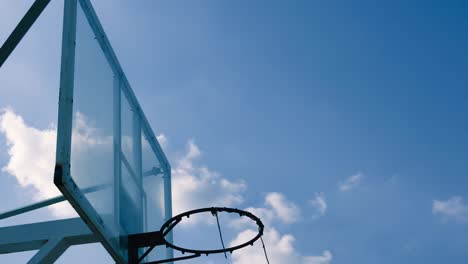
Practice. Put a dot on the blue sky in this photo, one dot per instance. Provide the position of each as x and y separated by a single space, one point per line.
351 118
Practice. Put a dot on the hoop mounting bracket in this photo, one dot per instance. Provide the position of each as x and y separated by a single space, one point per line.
152 239
137 241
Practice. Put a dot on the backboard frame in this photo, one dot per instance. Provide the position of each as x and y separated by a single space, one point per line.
62 176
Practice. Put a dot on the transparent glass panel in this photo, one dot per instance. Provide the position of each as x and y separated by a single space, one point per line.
118 181
131 203
132 195
128 127
92 153
153 182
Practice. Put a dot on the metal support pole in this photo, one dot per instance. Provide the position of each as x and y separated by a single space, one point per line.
117 148
32 207
137 149
50 251
21 29
138 166
34 236
168 206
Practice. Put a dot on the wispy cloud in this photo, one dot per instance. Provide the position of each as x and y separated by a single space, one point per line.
319 203
326 258
280 249
351 182
451 209
31 158
285 210
277 209
196 186
162 139
31 163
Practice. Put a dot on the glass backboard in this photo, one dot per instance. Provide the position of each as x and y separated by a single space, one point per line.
109 164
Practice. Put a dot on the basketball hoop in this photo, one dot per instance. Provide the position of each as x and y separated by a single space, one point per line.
157 238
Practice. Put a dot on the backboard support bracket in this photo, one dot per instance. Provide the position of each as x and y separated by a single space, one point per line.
21 29
51 238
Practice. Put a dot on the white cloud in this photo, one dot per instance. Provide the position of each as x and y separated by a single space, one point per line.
285 210
32 158
351 182
454 208
324 259
277 209
280 249
320 204
197 186
162 139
